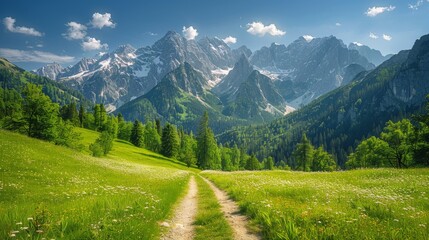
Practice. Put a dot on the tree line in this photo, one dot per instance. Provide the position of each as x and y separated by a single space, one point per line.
401 144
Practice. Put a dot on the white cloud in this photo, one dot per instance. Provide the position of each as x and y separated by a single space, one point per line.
75 31
387 37
190 33
416 5
39 45
9 23
338 24
358 44
259 29
102 20
90 44
308 38
374 11
229 40
15 55
373 35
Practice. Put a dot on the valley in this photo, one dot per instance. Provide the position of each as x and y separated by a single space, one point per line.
132 193
214 120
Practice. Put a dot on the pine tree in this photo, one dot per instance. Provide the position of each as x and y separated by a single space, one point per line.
187 150
158 126
136 137
96 116
208 156
103 118
169 141
124 130
152 140
252 163
303 154
81 114
269 163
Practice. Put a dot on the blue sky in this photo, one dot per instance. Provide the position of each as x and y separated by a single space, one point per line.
35 32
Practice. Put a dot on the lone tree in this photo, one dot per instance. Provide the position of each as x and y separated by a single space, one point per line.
303 154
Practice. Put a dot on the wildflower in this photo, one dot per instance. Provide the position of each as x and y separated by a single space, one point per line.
114 220
19 223
30 219
39 231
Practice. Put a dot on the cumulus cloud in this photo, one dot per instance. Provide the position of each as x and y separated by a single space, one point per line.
229 40
16 55
358 44
374 11
190 33
90 44
75 31
373 35
102 20
416 5
387 37
308 38
9 23
259 29
338 24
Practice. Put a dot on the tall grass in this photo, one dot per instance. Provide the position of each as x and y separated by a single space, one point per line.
361 204
48 191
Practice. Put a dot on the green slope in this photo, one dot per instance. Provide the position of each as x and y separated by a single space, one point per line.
47 191
13 77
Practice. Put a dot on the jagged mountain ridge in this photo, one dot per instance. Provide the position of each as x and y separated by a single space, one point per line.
181 97
126 73
256 99
340 119
373 56
307 69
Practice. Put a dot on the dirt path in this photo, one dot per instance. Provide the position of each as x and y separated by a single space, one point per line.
237 221
181 225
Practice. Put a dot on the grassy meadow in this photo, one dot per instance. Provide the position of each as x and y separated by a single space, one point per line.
51 192
360 204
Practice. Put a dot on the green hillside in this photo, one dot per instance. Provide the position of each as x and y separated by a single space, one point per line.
48 191
13 77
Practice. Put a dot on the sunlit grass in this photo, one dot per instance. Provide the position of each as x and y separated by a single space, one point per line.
47 191
361 204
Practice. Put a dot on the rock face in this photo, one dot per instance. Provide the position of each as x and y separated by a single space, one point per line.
127 73
230 84
51 71
257 99
306 69
374 56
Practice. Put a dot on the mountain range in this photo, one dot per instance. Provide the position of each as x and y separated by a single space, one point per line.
340 119
243 86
